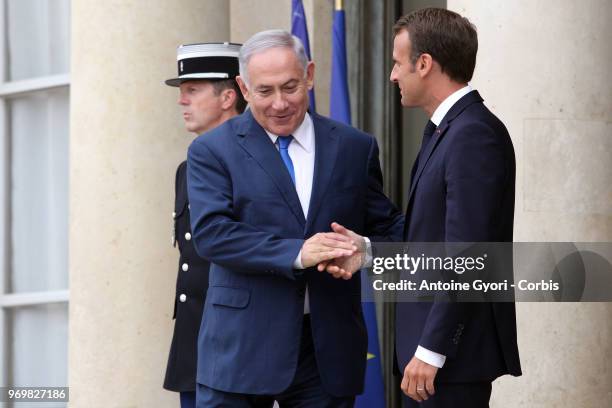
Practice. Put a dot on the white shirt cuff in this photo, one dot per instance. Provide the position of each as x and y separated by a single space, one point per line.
367 263
297 264
430 357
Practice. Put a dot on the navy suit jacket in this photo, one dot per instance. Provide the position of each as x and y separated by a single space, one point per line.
247 220
462 191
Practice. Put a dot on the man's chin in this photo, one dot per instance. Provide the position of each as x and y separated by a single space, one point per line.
283 130
406 103
191 129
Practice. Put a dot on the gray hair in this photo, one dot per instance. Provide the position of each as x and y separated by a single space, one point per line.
265 40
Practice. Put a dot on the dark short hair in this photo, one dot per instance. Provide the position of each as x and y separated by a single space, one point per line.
449 38
222 84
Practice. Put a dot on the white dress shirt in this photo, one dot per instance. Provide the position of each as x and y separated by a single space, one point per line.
423 354
302 153
448 103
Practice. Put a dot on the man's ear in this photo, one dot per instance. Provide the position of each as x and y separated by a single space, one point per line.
310 68
424 64
243 88
228 98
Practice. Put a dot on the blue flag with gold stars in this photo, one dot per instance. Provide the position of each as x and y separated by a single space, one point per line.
340 110
300 30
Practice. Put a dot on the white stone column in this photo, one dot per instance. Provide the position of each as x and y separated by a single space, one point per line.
127 138
544 68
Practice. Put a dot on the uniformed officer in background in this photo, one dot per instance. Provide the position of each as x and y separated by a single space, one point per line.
208 97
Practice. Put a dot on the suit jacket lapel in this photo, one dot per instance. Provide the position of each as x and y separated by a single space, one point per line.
433 143
326 150
454 111
258 145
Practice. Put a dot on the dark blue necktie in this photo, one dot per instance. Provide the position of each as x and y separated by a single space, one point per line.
283 147
430 128
427 134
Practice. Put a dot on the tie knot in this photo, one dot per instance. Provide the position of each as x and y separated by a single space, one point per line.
284 141
428 133
429 129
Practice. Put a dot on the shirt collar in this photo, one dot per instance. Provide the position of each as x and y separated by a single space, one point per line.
448 103
303 135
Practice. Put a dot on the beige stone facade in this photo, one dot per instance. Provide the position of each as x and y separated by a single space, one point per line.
126 140
543 68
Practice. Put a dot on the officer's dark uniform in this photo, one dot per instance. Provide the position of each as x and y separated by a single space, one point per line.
209 61
191 286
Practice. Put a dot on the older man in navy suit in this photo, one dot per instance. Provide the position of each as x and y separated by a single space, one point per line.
462 190
264 189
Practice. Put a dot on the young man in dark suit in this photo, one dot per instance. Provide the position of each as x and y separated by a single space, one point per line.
462 190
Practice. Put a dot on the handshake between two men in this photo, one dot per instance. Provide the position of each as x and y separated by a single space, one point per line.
340 253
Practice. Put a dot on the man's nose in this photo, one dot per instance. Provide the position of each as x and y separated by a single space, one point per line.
182 100
392 76
279 102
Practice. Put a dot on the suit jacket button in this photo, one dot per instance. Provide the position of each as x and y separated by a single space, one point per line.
188 236
183 298
185 267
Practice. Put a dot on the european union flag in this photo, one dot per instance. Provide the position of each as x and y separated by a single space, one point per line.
300 30
339 102
374 392
340 110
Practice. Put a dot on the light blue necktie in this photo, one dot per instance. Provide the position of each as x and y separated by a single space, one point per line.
283 147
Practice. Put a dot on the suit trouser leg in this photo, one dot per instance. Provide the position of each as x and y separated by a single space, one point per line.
188 399
455 395
306 390
207 397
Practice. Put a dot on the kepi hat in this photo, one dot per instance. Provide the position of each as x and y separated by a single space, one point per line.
206 61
